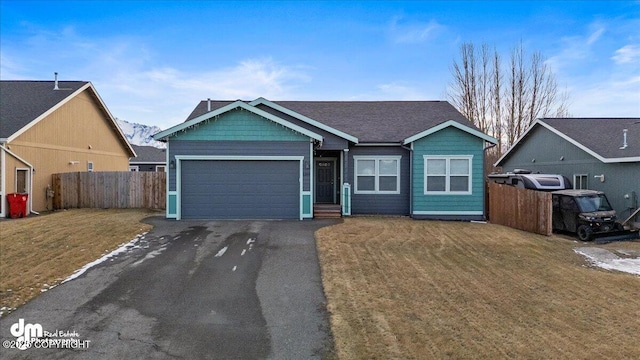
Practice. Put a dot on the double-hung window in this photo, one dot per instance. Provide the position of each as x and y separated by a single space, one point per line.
580 181
447 174
377 174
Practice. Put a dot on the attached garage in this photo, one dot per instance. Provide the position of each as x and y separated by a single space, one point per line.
240 188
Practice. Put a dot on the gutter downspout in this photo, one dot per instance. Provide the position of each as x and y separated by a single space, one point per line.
5 150
410 149
484 181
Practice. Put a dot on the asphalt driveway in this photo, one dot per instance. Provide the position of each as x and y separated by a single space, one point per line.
193 290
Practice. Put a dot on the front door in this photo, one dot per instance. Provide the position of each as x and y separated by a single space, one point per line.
325 181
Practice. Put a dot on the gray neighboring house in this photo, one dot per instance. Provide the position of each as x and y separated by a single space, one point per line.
294 159
594 153
149 159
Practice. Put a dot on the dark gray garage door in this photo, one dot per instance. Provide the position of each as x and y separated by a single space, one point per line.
221 189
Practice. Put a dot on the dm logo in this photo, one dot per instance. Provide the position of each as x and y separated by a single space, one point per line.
25 334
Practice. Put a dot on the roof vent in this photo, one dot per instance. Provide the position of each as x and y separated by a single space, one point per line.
55 83
208 104
624 140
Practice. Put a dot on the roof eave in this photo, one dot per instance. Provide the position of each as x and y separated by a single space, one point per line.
52 109
306 119
164 135
570 140
121 134
446 124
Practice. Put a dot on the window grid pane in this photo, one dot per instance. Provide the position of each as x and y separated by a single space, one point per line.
366 183
436 166
459 183
365 167
388 183
436 183
388 167
459 167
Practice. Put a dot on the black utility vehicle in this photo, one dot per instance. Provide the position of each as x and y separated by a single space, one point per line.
584 212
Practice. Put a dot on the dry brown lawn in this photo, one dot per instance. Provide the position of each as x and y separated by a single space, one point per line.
404 289
38 252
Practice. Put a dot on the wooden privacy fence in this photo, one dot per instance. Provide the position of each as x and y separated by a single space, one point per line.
125 189
527 210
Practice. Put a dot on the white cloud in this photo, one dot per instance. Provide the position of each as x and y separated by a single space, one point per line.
606 98
576 48
413 32
596 33
134 86
627 54
400 91
144 94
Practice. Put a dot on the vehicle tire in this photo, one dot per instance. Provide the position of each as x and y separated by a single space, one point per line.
618 227
585 233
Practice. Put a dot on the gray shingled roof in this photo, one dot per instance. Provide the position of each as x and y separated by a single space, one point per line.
369 121
23 101
148 154
604 136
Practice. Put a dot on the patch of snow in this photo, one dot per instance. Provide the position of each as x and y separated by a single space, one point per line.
251 241
123 248
6 310
243 252
150 255
234 268
222 251
140 134
608 260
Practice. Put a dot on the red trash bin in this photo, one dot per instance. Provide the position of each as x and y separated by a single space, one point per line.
17 205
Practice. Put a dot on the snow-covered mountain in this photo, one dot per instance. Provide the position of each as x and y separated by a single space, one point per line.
140 134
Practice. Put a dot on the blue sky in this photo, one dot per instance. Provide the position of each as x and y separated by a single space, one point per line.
152 61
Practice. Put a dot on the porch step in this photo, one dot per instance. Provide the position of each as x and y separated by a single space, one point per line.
327 211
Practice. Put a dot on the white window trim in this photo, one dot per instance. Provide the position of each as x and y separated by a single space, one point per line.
163 167
377 175
134 168
586 176
89 166
447 174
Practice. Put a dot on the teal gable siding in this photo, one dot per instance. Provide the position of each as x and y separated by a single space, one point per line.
239 125
449 141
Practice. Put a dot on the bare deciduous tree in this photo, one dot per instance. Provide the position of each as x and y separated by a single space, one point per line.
504 102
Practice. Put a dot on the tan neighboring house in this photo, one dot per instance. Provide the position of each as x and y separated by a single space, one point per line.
49 127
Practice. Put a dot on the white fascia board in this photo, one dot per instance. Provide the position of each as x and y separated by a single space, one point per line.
379 144
446 124
621 160
238 157
229 107
570 140
586 149
88 85
447 213
47 113
147 162
16 157
112 119
513 146
306 119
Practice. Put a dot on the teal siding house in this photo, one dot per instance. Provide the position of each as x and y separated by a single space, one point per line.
304 159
